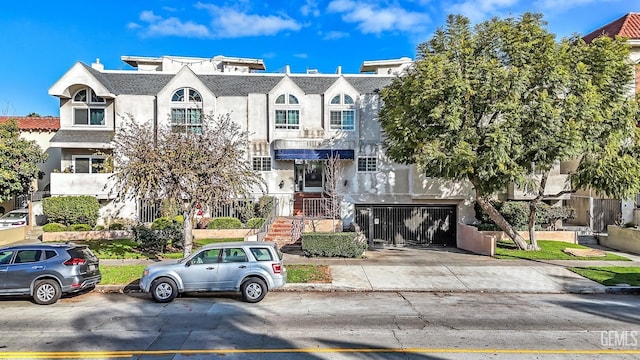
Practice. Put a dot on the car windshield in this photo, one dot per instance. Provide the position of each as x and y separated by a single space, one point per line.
12 215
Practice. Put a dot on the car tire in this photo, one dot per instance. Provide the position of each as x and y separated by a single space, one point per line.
164 290
253 290
46 292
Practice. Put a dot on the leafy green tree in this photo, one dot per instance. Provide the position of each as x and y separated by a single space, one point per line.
19 159
186 168
503 103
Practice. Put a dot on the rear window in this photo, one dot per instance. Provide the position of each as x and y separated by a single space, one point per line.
82 252
50 254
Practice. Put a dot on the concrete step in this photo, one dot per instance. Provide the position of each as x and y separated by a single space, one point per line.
587 240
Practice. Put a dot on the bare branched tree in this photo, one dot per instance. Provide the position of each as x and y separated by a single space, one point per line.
333 172
187 167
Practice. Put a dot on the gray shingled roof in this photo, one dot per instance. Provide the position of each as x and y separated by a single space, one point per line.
368 85
82 136
239 85
137 83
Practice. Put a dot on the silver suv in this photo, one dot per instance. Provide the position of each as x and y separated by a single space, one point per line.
46 271
251 267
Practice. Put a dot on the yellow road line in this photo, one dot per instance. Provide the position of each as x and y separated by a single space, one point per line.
126 354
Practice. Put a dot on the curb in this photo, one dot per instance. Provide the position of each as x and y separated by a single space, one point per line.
623 290
304 287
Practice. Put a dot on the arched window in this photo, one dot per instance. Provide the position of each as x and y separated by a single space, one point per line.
342 114
88 108
186 111
287 108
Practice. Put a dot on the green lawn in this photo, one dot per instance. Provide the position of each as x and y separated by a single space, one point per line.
550 250
126 274
611 275
120 274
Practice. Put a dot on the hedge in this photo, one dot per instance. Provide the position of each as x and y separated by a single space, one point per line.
224 223
255 223
344 244
71 209
53 227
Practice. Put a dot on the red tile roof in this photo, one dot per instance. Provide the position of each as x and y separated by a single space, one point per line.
34 123
627 26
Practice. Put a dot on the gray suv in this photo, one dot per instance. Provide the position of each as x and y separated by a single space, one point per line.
46 271
251 267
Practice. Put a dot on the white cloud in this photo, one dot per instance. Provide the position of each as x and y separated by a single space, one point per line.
301 56
310 8
149 16
477 10
159 26
335 35
227 22
373 19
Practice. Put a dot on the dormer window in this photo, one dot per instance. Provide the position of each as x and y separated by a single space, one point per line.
186 111
287 114
88 108
342 113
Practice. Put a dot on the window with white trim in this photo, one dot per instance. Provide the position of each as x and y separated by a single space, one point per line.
342 114
186 111
367 164
88 108
88 164
287 108
261 163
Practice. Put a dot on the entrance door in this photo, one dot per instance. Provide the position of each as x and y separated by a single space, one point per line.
309 176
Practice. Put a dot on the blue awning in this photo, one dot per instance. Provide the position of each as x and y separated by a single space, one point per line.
312 154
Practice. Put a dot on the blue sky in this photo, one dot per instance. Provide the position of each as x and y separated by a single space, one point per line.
41 40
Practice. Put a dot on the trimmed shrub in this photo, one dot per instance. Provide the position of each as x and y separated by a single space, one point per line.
255 223
170 229
98 228
345 244
517 214
71 209
53 227
224 223
149 240
116 226
79 227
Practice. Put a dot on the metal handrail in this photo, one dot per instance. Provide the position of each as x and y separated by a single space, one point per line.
275 212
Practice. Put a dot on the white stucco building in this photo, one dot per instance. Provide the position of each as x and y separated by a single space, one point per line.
295 121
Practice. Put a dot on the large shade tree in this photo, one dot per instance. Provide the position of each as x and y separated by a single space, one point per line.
19 160
187 167
503 102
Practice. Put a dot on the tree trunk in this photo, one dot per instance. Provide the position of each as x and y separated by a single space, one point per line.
187 232
533 244
497 218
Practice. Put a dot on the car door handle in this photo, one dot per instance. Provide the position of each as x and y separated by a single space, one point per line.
37 267
242 266
210 268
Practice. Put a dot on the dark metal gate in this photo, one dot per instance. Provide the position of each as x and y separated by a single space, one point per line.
606 212
408 224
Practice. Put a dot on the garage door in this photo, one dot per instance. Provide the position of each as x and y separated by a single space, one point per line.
408 224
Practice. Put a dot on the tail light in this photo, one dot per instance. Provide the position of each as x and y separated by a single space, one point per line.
277 268
75 261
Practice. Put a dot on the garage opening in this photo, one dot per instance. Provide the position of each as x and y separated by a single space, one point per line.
408 224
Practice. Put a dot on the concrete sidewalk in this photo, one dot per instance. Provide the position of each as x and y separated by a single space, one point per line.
446 270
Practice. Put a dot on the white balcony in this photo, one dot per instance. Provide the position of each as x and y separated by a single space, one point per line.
67 184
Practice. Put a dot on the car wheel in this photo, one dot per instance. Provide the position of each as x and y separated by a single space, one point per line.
164 290
46 292
253 290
